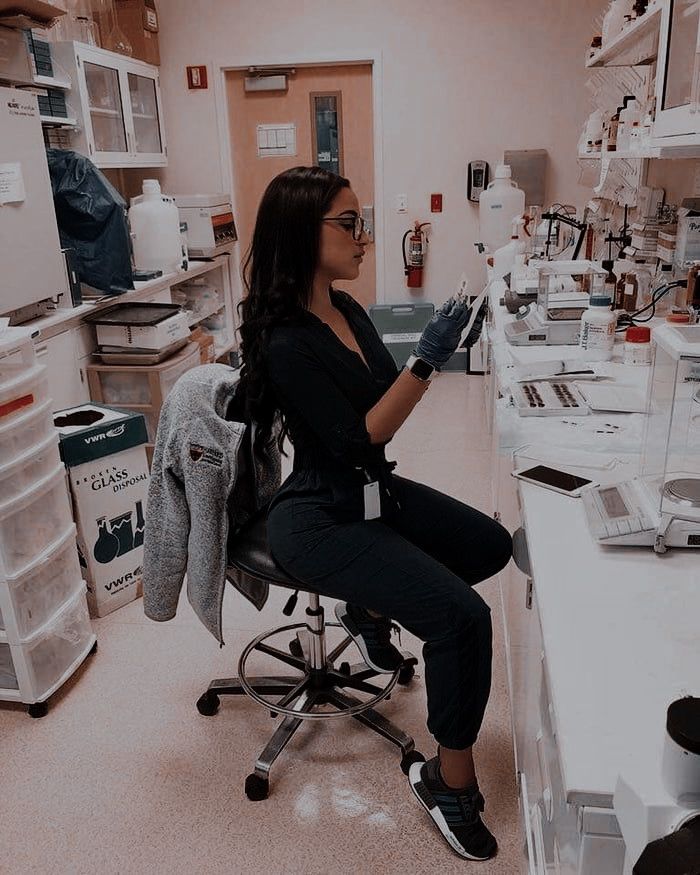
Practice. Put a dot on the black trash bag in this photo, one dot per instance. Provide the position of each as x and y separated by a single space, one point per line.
91 216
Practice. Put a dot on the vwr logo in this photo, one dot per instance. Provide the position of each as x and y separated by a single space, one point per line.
117 431
125 579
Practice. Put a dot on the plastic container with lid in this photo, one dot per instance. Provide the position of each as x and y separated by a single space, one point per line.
597 337
637 345
680 764
155 228
499 205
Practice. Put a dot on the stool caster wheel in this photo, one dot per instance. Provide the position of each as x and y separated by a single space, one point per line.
256 788
406 673
295 648
408 759
344 668
38 709
208 704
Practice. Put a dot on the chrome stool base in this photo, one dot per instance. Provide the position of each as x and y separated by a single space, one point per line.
320 684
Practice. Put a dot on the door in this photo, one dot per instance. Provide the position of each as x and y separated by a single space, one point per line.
104 111
327 112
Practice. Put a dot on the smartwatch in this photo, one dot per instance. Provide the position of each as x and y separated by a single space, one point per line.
420 369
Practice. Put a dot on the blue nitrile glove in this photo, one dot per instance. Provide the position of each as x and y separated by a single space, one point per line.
475 330
440 336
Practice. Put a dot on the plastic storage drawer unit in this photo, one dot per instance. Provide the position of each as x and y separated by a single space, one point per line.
31 598
50 656
33 521
140 385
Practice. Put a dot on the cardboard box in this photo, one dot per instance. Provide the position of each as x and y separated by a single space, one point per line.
139 21
104 452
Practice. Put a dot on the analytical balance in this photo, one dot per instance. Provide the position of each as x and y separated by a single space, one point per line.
661 507
562 295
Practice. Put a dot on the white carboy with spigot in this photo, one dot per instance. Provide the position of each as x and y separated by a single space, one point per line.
155 230
499 204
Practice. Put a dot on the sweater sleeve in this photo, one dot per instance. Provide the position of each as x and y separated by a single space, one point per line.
303 383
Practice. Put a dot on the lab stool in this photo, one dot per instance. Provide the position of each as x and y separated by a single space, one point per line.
319 681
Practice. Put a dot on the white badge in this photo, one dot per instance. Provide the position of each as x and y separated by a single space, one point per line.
373 508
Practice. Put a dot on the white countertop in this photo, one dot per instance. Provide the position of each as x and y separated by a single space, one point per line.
65 318
620 625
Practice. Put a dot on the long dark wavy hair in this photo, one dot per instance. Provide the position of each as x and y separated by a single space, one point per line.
278 273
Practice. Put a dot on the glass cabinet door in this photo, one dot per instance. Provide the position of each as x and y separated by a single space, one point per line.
144 111
105 107
681 56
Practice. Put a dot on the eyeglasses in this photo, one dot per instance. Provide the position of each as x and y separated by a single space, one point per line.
354 224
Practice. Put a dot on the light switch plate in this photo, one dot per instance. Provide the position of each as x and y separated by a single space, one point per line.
401 203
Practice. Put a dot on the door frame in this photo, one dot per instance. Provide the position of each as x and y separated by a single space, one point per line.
328 59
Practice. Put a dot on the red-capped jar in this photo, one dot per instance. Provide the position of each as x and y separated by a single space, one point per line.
637 345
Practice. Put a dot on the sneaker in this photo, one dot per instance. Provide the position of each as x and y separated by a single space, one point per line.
456 813
372 635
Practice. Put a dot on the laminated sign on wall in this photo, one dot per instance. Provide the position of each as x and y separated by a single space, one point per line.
105 454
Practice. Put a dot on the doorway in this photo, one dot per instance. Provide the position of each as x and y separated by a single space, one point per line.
324 116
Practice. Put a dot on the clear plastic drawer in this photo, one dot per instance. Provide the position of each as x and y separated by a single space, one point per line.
54 649
33 465
33 521
8 675
25 430
39 591
18 394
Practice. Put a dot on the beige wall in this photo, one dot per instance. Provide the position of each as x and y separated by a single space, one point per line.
460 79
252 173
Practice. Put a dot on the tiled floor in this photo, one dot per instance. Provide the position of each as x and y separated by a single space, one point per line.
124 776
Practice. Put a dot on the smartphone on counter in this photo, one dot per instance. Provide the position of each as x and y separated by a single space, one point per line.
557 481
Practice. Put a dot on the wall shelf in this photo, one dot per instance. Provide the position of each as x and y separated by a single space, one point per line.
620 51
50 82
58 121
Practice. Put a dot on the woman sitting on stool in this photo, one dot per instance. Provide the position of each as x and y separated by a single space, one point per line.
389 548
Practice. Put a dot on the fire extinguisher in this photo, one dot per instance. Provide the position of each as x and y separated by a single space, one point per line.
414 260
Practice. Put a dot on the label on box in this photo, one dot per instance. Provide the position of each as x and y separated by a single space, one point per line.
93 431
109 503
150 19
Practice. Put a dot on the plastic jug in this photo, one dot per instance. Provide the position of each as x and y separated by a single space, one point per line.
498 205
504 257
155 230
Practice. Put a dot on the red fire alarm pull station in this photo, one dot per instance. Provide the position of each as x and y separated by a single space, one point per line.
435 203
197 77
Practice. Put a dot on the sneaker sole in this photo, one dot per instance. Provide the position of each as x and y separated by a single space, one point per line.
423 795
347 623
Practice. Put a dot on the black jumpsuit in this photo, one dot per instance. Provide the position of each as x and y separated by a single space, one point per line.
417 563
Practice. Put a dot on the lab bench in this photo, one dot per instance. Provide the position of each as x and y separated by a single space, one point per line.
599 640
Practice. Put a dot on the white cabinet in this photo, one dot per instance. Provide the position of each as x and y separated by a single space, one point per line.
62 354
118 105
678 75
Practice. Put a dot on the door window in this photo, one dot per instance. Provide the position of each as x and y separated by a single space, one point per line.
327 131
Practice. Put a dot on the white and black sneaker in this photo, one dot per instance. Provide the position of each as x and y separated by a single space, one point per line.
456 813
372 635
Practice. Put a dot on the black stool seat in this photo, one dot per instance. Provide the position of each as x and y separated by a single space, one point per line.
249 551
